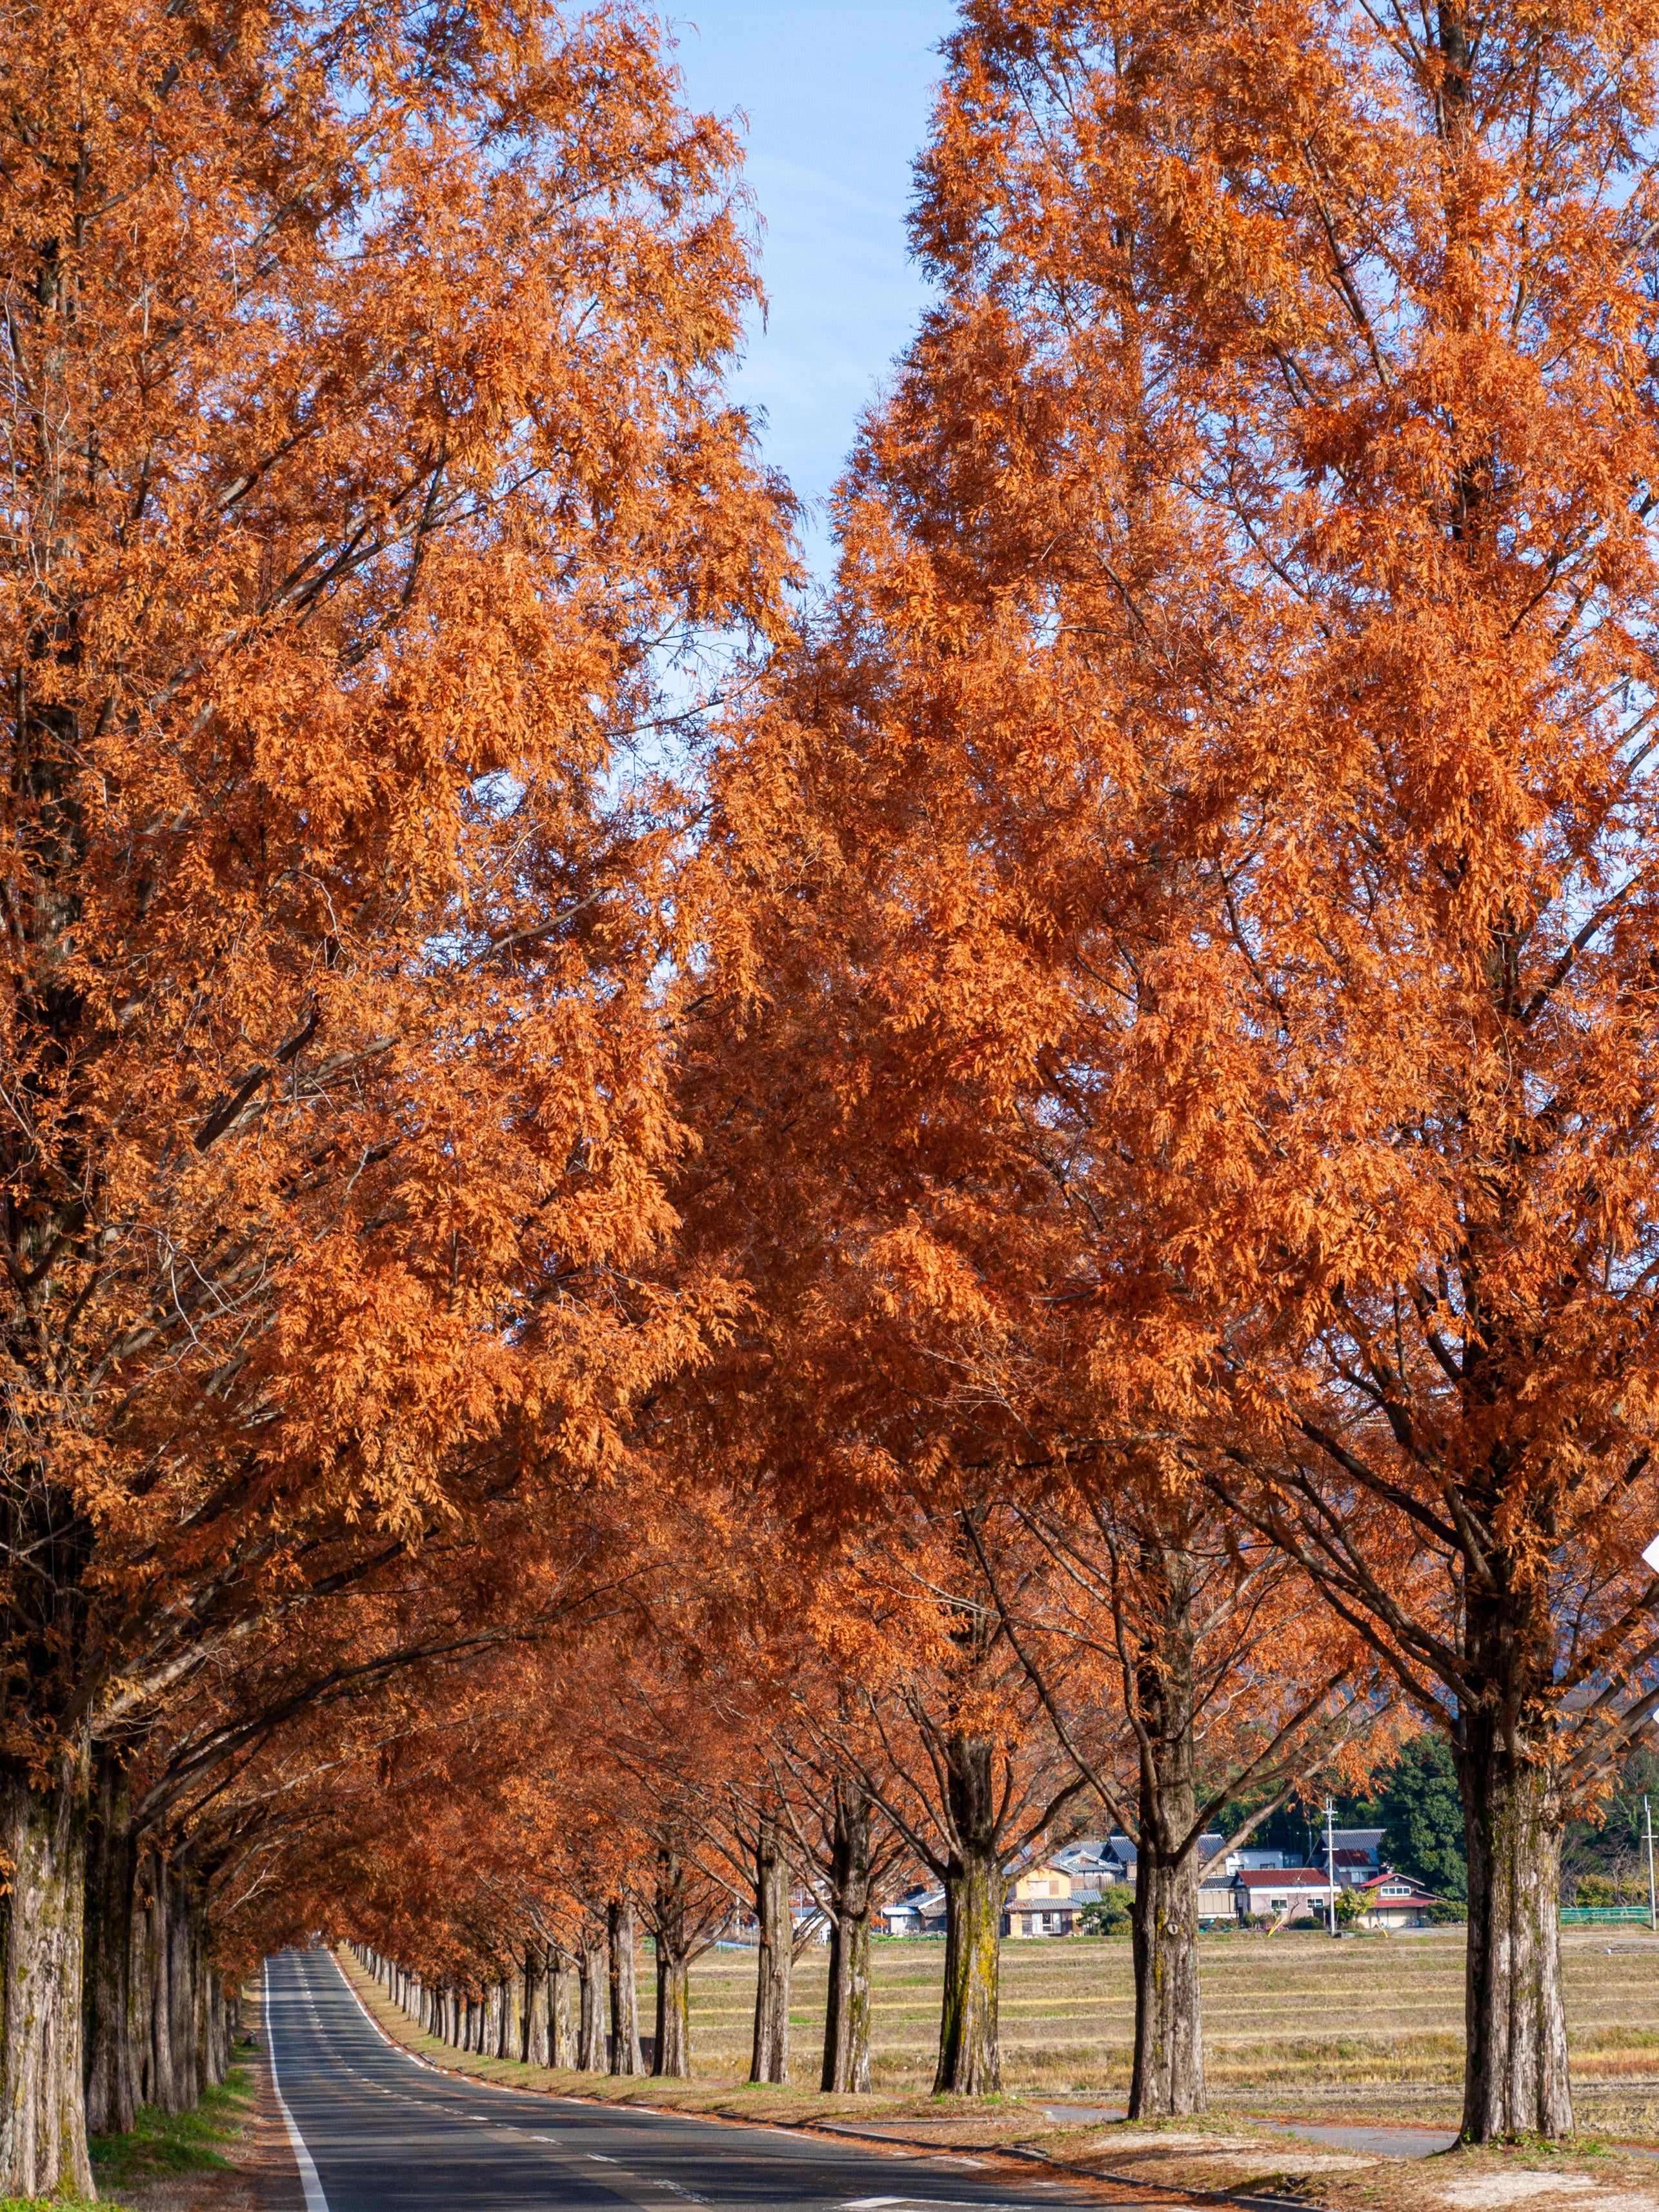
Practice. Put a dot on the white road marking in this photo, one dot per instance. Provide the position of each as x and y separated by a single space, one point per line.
315 2200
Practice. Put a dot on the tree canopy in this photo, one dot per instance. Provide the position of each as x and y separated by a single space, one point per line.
671 1250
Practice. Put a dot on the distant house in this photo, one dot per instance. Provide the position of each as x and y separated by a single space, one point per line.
1113 1858
1397 1900
1297 1892
1118 1862
918 1912
1215 1888
1045 1898
1048 1896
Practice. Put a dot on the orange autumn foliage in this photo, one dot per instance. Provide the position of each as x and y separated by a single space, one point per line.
366 439
366 452
1218 813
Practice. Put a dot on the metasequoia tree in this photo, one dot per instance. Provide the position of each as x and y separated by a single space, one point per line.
849 1853
1229 756
501 1599
947 1736
454 1825
366 451
684 1914
1186 1666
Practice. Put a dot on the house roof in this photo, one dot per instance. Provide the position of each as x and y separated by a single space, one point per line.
1125 1850
916 1900
1282 1878
1419 1893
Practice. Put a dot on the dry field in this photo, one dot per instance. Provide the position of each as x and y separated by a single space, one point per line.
1300 2027
1372 2025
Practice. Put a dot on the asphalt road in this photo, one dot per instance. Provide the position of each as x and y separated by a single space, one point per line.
375 2130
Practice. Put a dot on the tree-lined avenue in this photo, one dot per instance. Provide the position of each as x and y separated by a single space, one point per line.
387 2134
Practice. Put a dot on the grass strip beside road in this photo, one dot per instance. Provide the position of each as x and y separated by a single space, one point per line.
161 2146
160 2150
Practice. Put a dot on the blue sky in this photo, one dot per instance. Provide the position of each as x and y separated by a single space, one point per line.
838 99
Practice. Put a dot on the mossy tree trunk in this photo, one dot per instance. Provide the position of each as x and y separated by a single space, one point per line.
671 2052
538 2049
969 2049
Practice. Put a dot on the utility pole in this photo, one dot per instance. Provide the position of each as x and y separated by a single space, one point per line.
1653 1913
1330 1859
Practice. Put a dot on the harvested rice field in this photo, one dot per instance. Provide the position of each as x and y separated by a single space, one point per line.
1294 2022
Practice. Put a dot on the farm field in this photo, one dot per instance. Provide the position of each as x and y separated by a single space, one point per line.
1372 2025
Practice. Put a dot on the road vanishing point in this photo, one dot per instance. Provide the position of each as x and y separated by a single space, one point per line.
374 2130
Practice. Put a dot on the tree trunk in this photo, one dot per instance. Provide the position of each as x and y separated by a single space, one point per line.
203 1985
969 2050
218 2031
1515 2081
769 2060
43 2123
1168 2076
154 2034
538 2043
1169 2054
591 2056
626 2057
562 2031
670 2052
140 1973
110 2025
183 1985
846 2013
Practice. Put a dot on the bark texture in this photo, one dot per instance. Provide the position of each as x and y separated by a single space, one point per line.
590 2043
622 1946
537 2040
671 2050
769 2059
1168 2076
561 2026
110 2026
43 2129
1515 2081
847 2012
969 2048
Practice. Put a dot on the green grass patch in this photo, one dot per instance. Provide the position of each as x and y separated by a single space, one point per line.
51 2203
164 2143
